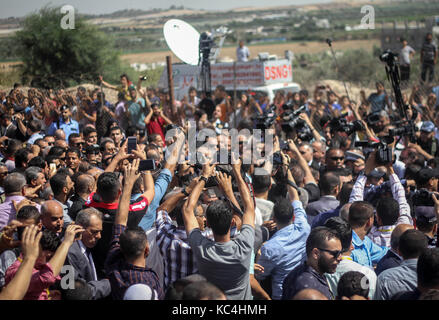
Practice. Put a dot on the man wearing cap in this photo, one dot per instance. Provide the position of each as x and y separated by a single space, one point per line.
427 145
65 123
426 222
375 178
355 161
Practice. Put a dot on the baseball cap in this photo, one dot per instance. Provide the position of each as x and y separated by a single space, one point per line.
138 291
375 173
64 107
352 156
425 214
427 126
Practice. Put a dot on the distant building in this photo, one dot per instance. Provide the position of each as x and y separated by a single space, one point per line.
323 24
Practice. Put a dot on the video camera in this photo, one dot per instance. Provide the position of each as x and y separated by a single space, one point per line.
340 124
291 119
422 197
384 154
267 119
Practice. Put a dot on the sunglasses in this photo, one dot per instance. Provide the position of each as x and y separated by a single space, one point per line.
337 158
334 253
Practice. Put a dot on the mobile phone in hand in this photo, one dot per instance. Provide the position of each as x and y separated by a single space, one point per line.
146 165
132 144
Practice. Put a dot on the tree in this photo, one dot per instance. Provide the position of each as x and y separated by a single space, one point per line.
54 57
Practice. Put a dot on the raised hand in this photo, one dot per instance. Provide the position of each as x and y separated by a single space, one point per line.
131 172
208 169
71 232
30 242
224 182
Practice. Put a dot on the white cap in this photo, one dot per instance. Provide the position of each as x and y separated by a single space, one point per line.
138 291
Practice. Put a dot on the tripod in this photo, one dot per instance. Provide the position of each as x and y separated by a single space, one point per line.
205 46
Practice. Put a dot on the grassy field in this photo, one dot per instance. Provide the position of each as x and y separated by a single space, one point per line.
278 49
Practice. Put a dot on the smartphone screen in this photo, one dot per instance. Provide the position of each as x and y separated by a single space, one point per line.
132 144
146 165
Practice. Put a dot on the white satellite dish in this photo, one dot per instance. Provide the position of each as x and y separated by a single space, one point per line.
183 40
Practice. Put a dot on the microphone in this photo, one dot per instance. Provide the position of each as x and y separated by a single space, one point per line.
329 41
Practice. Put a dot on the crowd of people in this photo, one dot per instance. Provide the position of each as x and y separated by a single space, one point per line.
325 219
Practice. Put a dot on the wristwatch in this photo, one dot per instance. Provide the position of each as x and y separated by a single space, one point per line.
185 192
203 178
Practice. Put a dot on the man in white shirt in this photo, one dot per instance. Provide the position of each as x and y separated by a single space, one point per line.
406 54
242 52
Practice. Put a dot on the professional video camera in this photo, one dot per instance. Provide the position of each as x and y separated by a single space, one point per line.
384 154
267 119
340 124
291 119
422 197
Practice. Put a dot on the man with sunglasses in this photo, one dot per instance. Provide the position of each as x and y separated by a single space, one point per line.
346 264
49 139
334 160
76 141
323 254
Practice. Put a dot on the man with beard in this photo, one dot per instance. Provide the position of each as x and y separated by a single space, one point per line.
323 251
361 219
73 158
62 188
65 123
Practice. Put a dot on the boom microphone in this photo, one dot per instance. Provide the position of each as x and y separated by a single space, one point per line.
329 41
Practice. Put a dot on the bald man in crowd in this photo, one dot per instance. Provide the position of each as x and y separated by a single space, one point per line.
52 217
84 185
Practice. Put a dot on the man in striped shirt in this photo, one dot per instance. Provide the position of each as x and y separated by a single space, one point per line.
126 260
390 212
172 240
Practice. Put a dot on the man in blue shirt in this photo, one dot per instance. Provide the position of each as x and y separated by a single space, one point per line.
65 123
286 248
361 219
136 110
